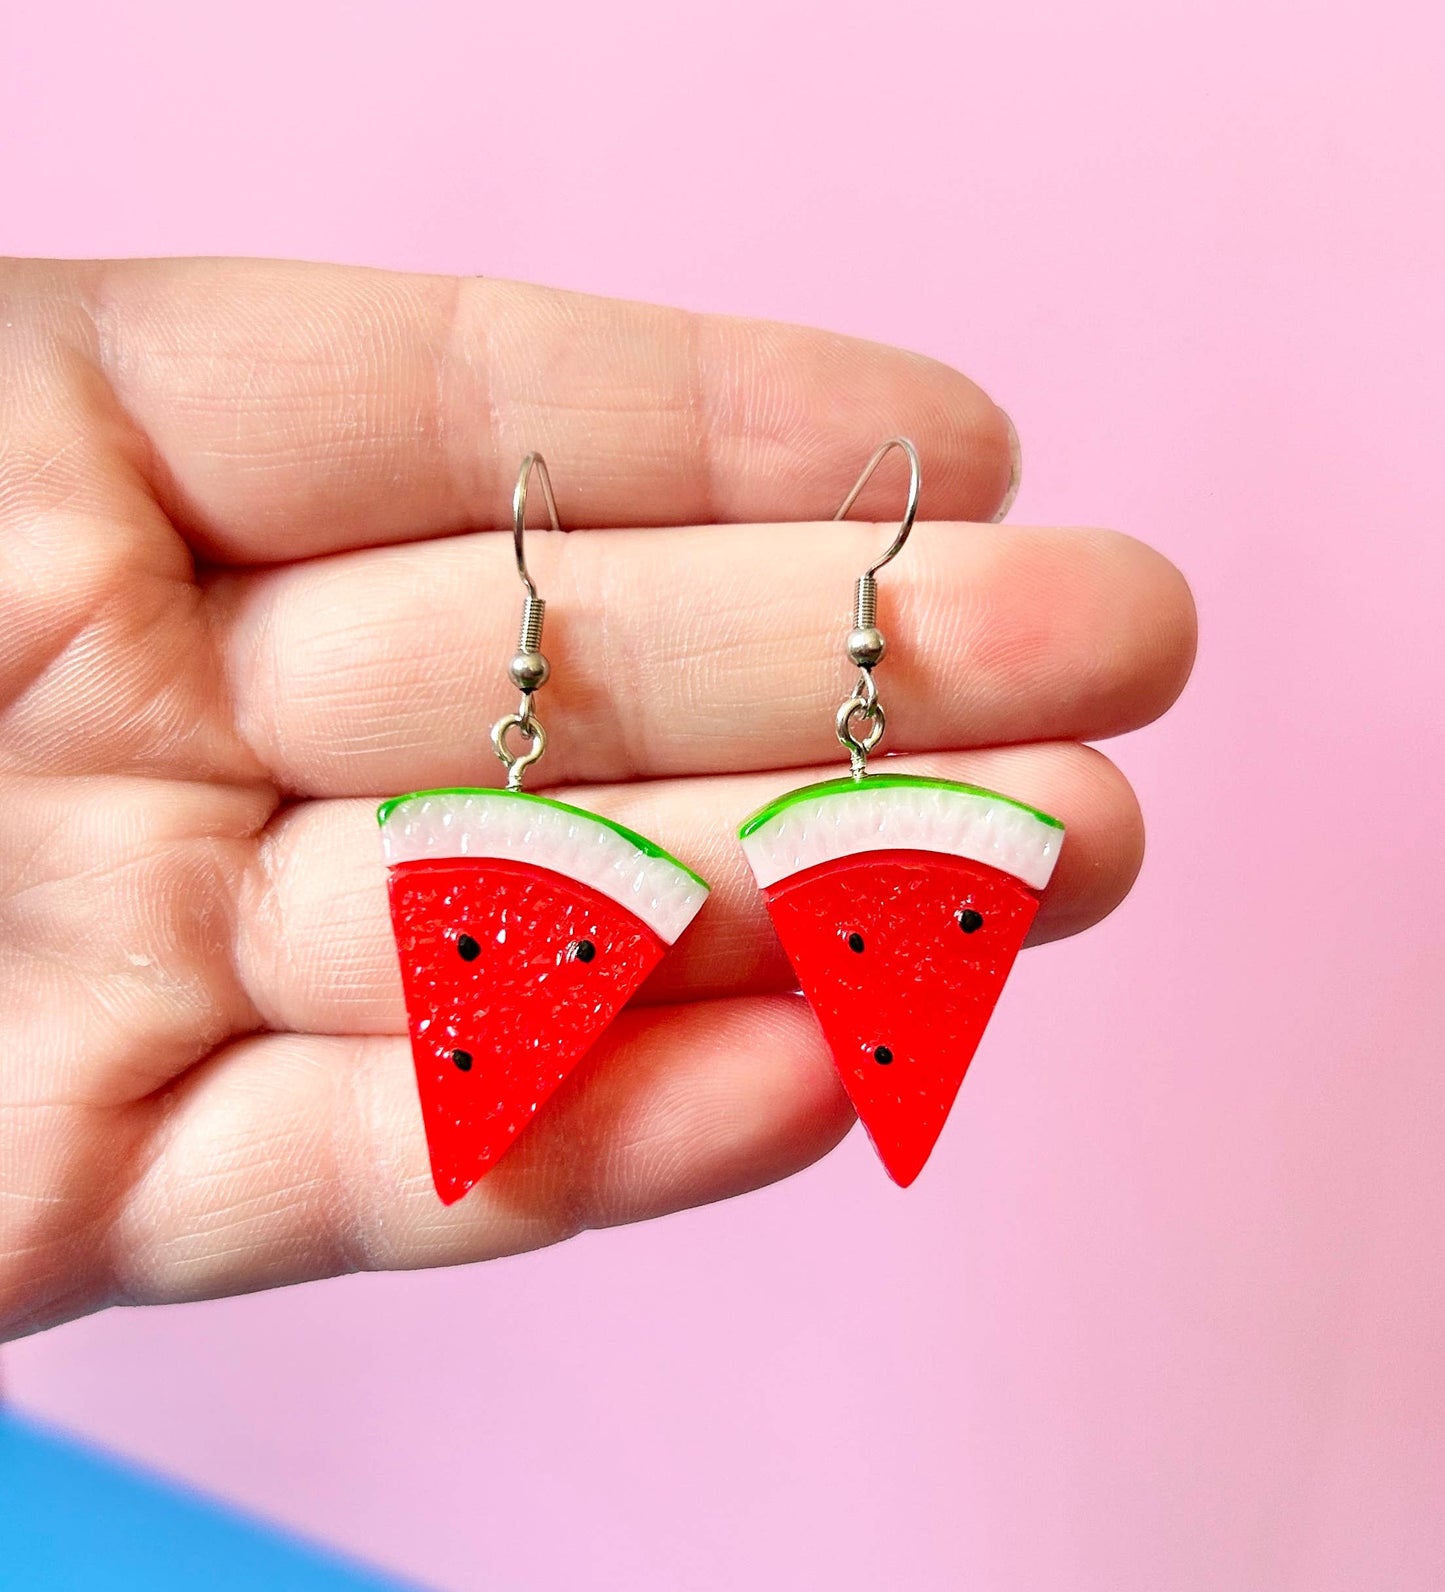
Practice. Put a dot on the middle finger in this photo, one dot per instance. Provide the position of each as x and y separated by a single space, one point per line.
688 651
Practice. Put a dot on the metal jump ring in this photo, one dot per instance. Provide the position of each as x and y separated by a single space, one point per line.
517 763
872 714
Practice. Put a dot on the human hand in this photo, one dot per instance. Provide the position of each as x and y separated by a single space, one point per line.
237 607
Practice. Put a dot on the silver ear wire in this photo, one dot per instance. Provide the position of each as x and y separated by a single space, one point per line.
910 509
533 461
866 642
529 669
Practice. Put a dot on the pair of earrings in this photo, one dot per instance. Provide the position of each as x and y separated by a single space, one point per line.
524 924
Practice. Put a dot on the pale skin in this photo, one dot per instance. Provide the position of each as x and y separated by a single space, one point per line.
253 579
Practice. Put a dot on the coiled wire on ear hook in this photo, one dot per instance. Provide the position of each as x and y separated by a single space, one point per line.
529 668
866 642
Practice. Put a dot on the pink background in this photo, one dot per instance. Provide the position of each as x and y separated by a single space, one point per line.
1167 1311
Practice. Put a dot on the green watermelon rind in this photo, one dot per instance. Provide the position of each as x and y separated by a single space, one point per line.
888 812
643 844
459 822
806 793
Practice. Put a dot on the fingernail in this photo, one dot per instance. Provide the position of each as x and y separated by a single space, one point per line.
1016 468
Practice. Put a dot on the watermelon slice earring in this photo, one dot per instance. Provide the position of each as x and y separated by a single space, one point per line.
901 901
523 925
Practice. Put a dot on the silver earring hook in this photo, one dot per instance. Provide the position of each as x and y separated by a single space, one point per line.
529 668
533 461
863 712
910 509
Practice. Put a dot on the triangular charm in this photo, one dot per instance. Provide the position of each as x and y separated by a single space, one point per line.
902 903
523 926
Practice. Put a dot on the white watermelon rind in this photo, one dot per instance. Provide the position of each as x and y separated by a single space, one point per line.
900 812
516 826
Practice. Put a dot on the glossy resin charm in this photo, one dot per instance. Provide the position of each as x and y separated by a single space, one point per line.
901 903
523 926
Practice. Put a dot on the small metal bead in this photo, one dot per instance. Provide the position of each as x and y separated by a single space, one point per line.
866 646
529 671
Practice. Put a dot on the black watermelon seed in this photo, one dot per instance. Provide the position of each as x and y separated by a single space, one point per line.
463 1060
584 950
467 948
883 1056
855 942
970 921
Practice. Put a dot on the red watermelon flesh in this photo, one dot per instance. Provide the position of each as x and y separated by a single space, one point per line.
510 973
902 956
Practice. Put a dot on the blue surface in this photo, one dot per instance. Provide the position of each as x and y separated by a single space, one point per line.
73 1517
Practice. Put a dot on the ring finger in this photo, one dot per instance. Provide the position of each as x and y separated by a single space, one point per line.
315 947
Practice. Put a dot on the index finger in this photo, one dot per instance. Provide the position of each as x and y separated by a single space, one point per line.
290 410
